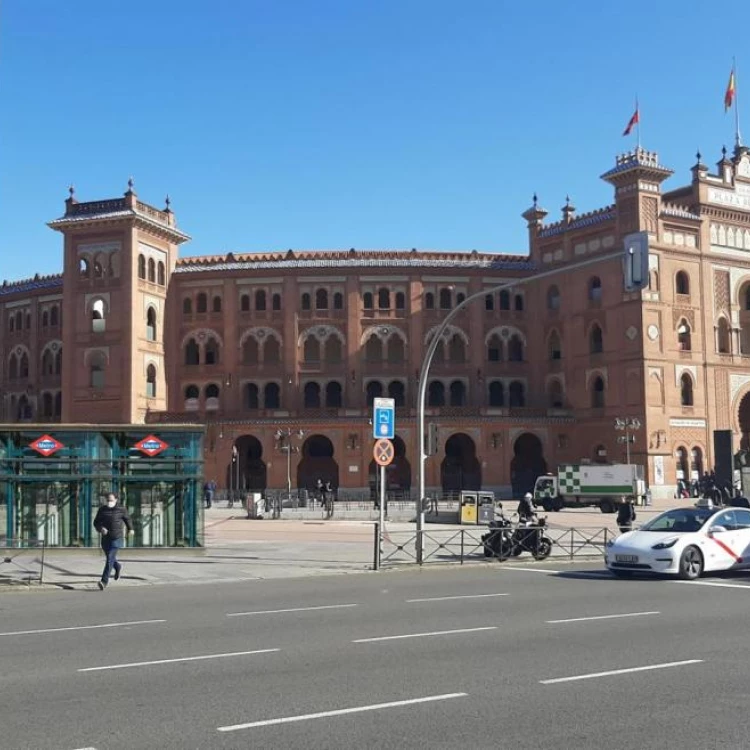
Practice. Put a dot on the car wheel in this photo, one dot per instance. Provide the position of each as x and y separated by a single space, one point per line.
558 505
607 507
691 564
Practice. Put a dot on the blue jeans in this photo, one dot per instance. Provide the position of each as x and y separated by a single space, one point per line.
110 547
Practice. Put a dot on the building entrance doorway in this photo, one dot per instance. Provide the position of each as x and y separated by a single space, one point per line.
317 463
527 464
460 469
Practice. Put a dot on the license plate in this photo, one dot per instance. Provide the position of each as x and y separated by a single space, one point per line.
626 558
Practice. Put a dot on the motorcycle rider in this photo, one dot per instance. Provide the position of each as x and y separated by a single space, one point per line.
526 508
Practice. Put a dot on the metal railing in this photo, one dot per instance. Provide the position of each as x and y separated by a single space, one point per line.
464 545
19 563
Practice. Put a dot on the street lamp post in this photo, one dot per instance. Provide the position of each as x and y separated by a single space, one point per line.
432 348
285 439
628 425
235 476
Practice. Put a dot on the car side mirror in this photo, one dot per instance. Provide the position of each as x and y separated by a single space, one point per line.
716 529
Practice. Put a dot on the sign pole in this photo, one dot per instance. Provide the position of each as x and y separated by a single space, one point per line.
381 512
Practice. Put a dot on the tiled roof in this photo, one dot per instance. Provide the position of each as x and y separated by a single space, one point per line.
354 259
31 285
680 213
89 217
586 220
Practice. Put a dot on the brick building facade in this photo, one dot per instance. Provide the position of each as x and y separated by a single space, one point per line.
261 347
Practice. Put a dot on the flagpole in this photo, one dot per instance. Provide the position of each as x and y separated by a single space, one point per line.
638 124
737 136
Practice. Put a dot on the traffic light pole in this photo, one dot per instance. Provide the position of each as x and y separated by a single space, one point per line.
424 371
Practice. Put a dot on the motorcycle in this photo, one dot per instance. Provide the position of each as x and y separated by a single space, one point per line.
531 538
497 541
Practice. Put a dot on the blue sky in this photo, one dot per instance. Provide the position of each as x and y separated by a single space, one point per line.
347 123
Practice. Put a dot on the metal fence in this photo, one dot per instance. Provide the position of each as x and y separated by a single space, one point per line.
22 562
465 545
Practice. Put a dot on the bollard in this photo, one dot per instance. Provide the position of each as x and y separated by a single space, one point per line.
376 550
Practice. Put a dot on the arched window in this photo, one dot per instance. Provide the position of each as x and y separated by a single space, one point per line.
723 340
84 268
553 298
696 463
150 382
201 305
682 283
97 367
489 302
151 324
98 267
23 370
334 352
374 349
321 299
12 367
338 301
374 390
45 319
684 339
436 394
47 405
597 393
311 396
19 321
400 301
747 297
212 397
397 392
161 276
555 394
28 321
58 405
456 350
212 352
686 390
334 395
367 301
429 301
595 289
305 302
504 300
682 464
245 303
516 394
446 301
276 302
457 391
216 305
54 316
515 348
460 297
250 351
260 300
384 299
98 320
596 342
251 396
151 270
396 352
192 396
187 306
272 396
48 362
271 351
554 346
494 349
11 324
518 303
192 353
312 350
58 362
496 393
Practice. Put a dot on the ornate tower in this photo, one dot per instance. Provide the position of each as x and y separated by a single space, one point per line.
118 260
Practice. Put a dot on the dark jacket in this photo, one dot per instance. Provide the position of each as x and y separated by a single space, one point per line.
625 514
114 520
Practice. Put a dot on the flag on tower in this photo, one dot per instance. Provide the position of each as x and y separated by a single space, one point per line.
730 92
634 120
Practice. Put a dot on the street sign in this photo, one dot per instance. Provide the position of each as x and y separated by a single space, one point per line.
383 452
46 445
151 446
384 418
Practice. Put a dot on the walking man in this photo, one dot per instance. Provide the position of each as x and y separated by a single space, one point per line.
111 522
625 515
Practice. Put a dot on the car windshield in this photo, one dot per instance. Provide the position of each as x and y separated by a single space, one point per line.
681 520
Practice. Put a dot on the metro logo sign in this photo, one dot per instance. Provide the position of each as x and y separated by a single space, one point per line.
151 445
46 445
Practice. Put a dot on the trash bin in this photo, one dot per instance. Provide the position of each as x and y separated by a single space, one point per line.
486 509
255 505
468 512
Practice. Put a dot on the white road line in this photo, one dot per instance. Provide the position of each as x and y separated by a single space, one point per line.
174 661
716 583
84 627
533 570
422 635
602 617
449 598
341 712
296 609
612 672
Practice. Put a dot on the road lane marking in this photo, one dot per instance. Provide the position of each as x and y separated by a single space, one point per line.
295 609
83 627
716 583
602 617
422 635
449 598
612 672
184 658
534 570
341 712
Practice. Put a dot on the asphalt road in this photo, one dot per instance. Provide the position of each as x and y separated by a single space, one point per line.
490 656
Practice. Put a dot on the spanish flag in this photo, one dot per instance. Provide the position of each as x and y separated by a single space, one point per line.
729 95
634 120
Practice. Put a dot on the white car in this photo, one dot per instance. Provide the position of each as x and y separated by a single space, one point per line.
684 542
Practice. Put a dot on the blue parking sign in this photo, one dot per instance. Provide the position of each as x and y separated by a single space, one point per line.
383 418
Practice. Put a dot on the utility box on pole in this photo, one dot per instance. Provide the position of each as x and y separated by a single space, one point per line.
431 440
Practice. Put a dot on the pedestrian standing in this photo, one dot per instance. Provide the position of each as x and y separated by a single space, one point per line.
433 504
319 491
328 494
209 490
112 521
625 515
